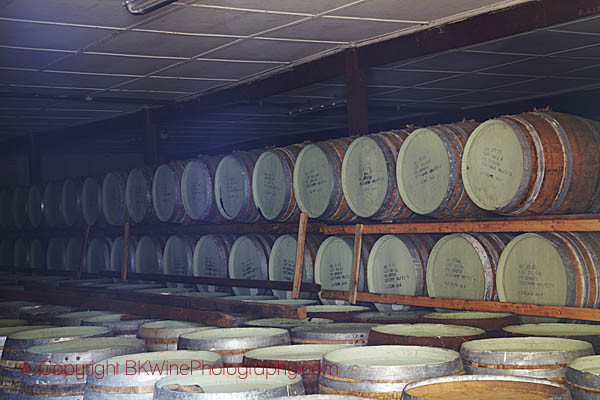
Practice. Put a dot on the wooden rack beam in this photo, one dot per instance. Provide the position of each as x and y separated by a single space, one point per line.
589 314
299 255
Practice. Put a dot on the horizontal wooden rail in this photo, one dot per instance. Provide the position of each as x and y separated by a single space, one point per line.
580 223
588 314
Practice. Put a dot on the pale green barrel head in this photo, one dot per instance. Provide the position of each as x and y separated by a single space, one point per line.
51 205
247 261
269 187
19 207
88 346
37 256
34 206
365 177
20 254
554 329
588 364
305 352
531 270
392 269
196 189
313 181
528 344
74 253
282 264
91 201
9 330
493 165
423 171
455 270
209 260
177 257
71 202
56 254
165 192
113 198
137 195
231 186
148 256
98 255
64 332
427 330
333 266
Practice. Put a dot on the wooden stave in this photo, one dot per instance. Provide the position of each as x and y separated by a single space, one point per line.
337 333
165 339
583 385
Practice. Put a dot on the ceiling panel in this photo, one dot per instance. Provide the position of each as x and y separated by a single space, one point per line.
218 21
342 30
485 96
49 36
158 44
174 85
585 52
417 94
476 82
545 85
543 66
588 73
21 58
271 50
219 69
402 78
139 95
58 79
136 66
43 90
460 61
25 103
304 6
588 25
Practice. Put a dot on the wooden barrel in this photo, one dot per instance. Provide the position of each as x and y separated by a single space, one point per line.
75 318
5 331
117 251
211 254
555 268
232 343
133 376
56 254
13 356
333 264
285 323
534 357
43 314
272 187
20 254
98 255
318 183
12 309
282 262
73 254
119 324
428 171
19 207
585 332
51 200
383 371
582 378
244 383
70 202
388 317
113 198
233 187
534 163
198 189
369 178
491 322
337 333
91 202
484 387
249 259
396 265
35 206
178 258
149 256
166 193
163 335
59 370
303 360
433 335
335 312
37 254
463 266
138 195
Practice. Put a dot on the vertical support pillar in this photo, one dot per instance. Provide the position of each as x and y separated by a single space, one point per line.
299 256
125 253
35 161
356 92
150 141
356 255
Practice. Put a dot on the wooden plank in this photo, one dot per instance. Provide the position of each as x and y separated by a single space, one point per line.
532 224
588 314
125 253
86 236
299 255
356 254
356 92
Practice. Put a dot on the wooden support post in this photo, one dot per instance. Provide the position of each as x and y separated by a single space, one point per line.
356 92
356 255
35 161
125 253
150 141
86 236
299 255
